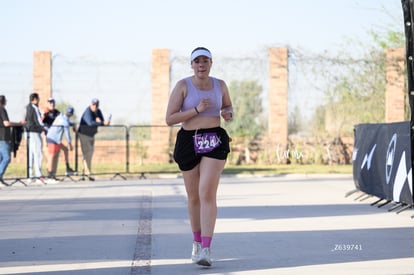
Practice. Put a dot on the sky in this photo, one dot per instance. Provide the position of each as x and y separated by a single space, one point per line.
125 32
130 29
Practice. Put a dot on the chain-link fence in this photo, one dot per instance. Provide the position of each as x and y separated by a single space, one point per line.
124 86
124 90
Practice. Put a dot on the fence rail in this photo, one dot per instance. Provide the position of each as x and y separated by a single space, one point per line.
122 151
118 150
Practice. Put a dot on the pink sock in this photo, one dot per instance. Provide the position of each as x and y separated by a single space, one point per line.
197 236
206 241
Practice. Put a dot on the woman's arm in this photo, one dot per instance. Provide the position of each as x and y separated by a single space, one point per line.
226 106
174 114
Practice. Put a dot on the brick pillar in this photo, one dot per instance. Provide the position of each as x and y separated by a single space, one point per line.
160 87
278 92
42 76
395 87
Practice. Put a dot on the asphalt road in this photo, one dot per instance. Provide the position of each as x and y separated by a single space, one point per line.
294 224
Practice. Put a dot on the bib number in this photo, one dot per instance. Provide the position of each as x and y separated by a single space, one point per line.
206 142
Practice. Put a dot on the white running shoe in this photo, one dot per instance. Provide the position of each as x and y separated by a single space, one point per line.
39 181
196 252
51 181
204 258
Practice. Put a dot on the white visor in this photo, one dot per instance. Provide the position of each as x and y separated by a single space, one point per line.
200 52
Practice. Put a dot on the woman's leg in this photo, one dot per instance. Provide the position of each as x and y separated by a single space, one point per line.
191 182
210 172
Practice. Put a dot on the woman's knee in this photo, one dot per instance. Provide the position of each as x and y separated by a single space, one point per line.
208 196
193 200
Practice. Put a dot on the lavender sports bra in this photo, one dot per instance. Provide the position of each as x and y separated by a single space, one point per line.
195 95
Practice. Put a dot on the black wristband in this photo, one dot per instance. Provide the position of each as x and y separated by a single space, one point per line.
195 108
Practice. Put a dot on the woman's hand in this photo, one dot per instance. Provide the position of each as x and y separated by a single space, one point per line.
227 113
203 105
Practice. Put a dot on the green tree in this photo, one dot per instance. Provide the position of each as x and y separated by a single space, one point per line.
295 121
355 87
317 123
248 120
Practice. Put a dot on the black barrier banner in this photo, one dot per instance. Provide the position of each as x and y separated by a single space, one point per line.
382 161
407 6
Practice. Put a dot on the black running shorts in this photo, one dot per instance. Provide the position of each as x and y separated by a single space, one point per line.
184 152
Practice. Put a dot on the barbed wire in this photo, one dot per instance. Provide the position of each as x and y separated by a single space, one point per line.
124 86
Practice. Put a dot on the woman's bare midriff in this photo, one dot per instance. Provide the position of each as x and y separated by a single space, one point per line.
200 122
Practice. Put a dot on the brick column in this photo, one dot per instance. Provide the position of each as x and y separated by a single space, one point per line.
278 91
160 87
395 87
42 76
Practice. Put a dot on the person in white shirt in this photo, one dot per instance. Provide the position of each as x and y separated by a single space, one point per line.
61 125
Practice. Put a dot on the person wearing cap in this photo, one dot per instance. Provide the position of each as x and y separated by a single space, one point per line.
50 113
202 145
54 136
91 119
48 117
34 127
5 137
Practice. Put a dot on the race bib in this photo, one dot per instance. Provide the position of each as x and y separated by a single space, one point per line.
206 142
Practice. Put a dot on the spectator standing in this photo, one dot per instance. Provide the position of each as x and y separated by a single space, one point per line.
34 128
61 124
91 118
48 117
50 113
5 137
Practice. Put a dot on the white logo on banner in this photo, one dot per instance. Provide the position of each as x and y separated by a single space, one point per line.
390 157
354 154
368 158
401 176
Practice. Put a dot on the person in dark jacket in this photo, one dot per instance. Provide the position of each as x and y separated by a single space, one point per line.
5 137
91 118
34 128
50 113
